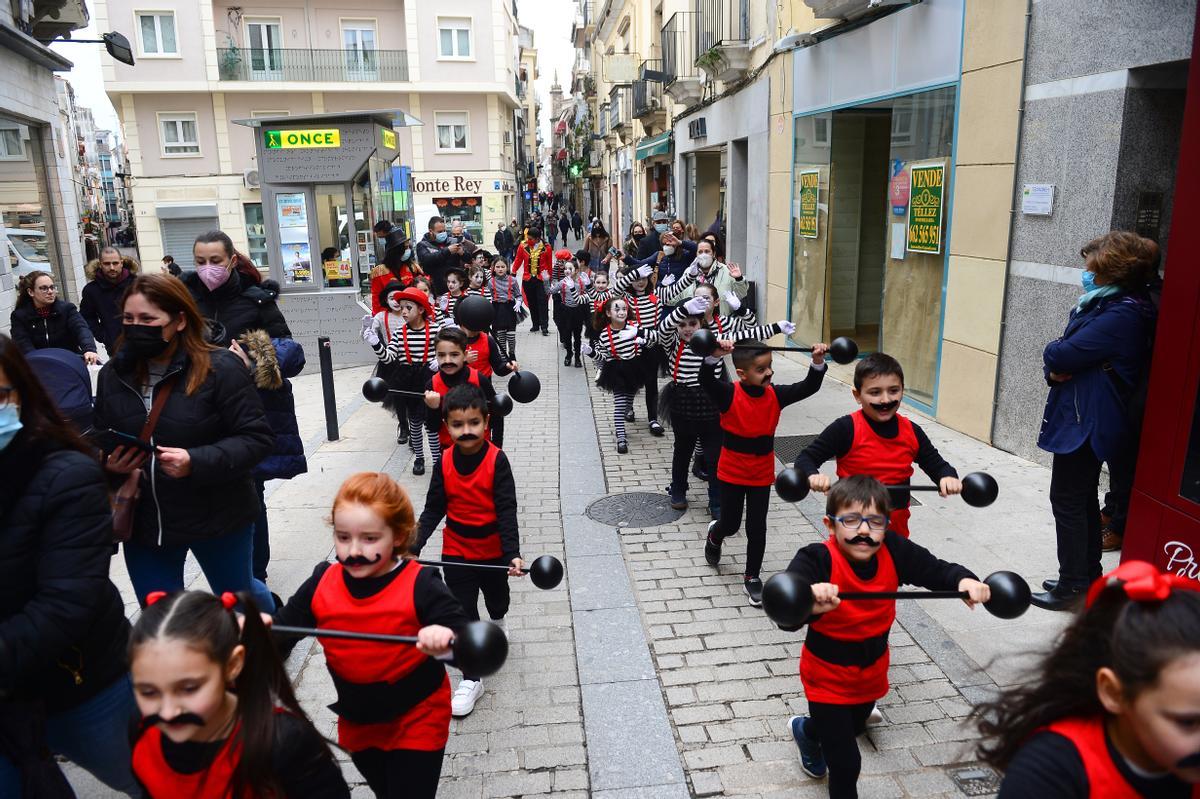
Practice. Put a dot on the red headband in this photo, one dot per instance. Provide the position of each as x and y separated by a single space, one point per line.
1141 581
228 599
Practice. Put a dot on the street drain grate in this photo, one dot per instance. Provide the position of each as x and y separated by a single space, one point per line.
788 447
976 780
635 509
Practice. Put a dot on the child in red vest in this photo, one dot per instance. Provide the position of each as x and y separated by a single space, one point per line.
844 661
1113 710
750 411
452 370
474 491
219 718
879 441
393 700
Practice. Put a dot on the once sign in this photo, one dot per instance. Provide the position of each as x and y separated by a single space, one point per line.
298 139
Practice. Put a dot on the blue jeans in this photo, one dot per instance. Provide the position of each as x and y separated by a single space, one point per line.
262 534
94 736
226 562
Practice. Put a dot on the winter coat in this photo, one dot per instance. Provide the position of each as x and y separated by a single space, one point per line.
225 431
270 360
98 307
504 241
63 631
435 259
240 305
64 328
1104 349
564 226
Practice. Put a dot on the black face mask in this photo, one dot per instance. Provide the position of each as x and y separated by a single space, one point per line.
639 236
145 341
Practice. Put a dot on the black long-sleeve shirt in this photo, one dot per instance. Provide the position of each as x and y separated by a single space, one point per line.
1049 765
721 392
504 495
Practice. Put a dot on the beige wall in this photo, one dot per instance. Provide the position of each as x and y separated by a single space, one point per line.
189 65
993 48
243 106
483 66
146 108
305 27
476 105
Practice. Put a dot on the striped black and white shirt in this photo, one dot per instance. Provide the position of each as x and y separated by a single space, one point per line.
401 343
683 365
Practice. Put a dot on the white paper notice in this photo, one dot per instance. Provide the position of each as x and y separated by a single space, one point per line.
1037 199
899 237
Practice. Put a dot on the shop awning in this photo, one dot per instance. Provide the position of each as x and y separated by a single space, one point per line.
654 145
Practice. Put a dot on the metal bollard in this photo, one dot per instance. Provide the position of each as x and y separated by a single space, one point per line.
331 419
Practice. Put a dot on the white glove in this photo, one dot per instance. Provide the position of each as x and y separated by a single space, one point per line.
584 279
787 327
693 270
517 306
732 299
666 281
696 305
628 333
368 322
433 364
644 270
585 348
444 301
368 334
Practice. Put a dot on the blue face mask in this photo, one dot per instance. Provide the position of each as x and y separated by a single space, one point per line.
1088 280
441 237
10 424
661 228
404 256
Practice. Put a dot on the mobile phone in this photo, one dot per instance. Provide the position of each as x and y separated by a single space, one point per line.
108 440
613 251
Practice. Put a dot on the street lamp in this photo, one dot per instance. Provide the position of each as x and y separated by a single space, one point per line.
115 43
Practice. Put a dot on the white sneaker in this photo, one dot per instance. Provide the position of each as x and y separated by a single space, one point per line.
465 697
875 718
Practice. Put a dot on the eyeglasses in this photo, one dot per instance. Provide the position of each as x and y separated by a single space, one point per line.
854 521
46 289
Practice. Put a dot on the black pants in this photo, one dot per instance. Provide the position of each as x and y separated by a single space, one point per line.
649 360
535 295
262 534
1074 483
466 584
687 433
755 499
837 727
570 323
1121 467
496 423
400 773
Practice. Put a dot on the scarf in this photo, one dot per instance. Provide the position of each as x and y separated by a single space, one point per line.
1096 294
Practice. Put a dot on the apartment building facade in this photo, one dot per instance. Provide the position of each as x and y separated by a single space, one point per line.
203 66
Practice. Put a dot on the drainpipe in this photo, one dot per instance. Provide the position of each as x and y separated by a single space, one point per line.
1012 220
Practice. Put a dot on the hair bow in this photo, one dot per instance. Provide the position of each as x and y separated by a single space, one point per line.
154 596
1141 582
229 600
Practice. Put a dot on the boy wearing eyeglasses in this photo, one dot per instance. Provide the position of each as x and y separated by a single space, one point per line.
844 660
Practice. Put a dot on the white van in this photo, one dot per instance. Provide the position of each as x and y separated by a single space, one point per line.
28 251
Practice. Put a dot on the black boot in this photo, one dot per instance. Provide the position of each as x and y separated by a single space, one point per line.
578 363
1059 598
567 360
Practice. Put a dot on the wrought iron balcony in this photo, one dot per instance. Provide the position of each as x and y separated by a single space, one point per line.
647 90
604 119
722 29
618 108
679 47
253 64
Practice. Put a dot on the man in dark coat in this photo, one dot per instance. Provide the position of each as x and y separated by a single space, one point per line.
437 255
100 297
577 224
564 227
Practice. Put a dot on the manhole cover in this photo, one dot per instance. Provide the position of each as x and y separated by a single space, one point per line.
635 509
977 780
788 447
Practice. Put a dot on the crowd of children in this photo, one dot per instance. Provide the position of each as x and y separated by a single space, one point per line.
1114 710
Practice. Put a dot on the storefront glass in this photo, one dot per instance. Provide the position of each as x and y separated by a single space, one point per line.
256 235
462 209
23 201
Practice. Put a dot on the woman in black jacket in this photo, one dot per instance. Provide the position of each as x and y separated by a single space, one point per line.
63 632
41 320
227 289
196 490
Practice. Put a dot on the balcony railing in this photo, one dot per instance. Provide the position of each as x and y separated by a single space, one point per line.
618 108
312 65
679 47
720 22
647 92
604 119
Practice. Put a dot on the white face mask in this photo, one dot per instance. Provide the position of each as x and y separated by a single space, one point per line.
704 260
669 249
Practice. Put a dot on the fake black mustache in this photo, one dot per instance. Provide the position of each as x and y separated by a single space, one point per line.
863 539
468 437
1191 761
884 407
181 720
360 560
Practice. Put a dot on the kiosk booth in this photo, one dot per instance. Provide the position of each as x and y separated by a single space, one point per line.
1164 512
326 179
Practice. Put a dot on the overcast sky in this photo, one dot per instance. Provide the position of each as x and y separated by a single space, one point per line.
550 20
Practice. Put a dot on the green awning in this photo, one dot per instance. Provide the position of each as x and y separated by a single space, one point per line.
654 145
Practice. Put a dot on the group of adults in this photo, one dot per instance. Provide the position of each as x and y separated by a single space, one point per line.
197 368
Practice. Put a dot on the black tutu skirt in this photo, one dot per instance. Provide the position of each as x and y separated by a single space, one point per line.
649 360
681 401
403 377
504 316
621 377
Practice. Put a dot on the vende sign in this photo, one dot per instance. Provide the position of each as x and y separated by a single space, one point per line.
298 139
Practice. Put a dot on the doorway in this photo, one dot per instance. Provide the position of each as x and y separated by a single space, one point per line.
264 38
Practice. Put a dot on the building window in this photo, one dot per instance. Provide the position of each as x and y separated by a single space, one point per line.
11 146
452 127
178 133
454 38
358 40
256 235
156 33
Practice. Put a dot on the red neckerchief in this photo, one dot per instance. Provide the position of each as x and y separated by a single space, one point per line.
424 352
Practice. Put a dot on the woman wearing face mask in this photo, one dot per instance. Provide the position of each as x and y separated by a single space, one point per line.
62 666
709 267
399 266
1093 370
597 245
196 489
41 320
637 233
224 290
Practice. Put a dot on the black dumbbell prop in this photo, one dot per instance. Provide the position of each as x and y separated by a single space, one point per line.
474 312
545 572
524 386
376 390
479 648
979 488
788 600
842 350
502 404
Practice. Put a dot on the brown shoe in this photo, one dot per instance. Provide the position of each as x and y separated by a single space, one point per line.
1110 541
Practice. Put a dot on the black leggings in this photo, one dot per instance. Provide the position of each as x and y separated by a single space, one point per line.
687 433
755 499
570 322
837 728
466 584
400 773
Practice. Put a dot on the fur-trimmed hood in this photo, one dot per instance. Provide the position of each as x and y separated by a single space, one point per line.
263 363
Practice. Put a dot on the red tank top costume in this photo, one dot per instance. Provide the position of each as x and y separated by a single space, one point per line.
748 449
888 460
1105 780
163 782
471 509
852 633
407 694
439 385
483 352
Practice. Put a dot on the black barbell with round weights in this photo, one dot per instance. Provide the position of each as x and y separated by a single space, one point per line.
479 648
545 572
474 313
842 350
376 390
787 598
979 488
524 386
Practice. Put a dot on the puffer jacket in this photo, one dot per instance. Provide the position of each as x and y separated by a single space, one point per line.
271 360
63 630
239 305
98 306
1105 349
223 428
64 329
